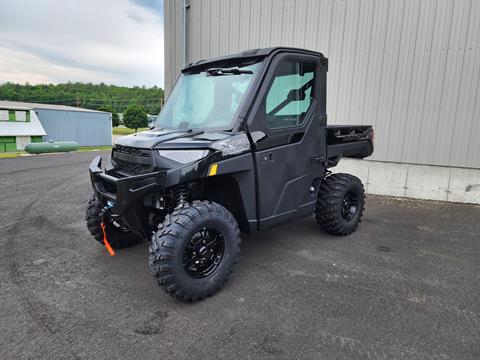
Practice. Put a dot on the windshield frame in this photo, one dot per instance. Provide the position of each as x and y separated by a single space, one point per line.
243 106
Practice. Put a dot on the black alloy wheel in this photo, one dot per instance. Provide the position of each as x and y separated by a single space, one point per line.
349 206
204 252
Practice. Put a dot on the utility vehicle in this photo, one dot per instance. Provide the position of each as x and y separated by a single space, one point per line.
241 145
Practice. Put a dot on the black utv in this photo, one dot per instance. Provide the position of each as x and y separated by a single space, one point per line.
242 144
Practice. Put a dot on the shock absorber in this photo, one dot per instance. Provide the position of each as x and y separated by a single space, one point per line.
181 195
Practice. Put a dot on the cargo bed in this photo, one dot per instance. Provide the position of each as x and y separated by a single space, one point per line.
348 141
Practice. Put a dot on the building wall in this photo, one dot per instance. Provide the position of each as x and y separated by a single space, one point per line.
86 128
409 68
23 141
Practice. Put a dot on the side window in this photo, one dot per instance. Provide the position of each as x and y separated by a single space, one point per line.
14 115
290 95
20 115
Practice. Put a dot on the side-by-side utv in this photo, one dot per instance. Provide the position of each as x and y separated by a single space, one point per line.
241 145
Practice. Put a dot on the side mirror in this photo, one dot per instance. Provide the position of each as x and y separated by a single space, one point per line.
258 136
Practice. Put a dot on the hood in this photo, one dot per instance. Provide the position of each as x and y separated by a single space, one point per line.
171 138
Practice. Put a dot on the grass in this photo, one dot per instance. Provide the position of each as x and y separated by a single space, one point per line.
93 148
125 131
15 154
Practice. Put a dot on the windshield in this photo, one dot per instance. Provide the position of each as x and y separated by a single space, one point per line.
207 100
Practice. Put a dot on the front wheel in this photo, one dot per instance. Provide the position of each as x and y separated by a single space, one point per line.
340 204
194 250
119 236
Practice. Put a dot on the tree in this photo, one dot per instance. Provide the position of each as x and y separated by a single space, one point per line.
135 117
87 95
115 119
110 109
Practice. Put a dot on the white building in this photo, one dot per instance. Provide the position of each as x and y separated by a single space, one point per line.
19 126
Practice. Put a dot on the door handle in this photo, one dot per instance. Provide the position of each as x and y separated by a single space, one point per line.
267 157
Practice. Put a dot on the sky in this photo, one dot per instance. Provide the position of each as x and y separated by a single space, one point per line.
116 42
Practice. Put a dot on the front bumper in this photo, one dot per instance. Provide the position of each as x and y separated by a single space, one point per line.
123 192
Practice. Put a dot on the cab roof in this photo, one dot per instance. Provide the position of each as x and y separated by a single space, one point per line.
247 55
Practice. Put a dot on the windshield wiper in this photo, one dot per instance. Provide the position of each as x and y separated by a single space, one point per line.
222 71
178 135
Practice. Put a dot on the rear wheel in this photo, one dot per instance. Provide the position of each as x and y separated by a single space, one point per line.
194 250
340 204
119 236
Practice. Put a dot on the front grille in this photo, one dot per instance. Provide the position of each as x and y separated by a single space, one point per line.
132 151
131 168
132 161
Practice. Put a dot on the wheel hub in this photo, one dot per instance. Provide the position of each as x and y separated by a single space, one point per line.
349 206
203 252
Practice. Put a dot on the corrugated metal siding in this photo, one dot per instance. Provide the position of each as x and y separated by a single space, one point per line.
86 128
410 68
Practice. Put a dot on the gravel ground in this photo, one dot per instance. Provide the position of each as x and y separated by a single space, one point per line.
404 286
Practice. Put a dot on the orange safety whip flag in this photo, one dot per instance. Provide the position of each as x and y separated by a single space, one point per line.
105 241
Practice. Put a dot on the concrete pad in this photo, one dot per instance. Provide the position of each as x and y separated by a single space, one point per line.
387 178
427 182
464 185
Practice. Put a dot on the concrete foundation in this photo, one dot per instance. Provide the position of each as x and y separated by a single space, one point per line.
415 181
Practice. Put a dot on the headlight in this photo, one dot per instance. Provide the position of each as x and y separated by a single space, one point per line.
183 156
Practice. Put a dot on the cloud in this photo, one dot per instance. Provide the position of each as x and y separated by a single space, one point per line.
136 17
117 42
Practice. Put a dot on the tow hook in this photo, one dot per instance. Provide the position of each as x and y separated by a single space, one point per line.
103 216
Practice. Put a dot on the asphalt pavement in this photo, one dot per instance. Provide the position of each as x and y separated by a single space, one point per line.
406 285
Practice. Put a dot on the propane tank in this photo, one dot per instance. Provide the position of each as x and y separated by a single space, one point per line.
51 146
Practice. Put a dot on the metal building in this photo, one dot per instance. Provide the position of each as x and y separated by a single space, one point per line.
67 123
410 68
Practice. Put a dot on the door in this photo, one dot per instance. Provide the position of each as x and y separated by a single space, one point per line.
290 159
